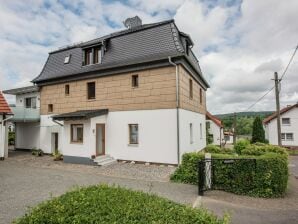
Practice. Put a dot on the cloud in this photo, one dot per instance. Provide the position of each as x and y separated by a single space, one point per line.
239 44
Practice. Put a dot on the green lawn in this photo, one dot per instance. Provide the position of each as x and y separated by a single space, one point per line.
104 204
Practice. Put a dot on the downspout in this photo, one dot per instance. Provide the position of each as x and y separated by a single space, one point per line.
177 109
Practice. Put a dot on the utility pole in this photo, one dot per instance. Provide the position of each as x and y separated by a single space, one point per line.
234 127
277 82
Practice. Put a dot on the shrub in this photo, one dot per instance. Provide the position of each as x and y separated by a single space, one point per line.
103 204
37 152
258 133
212 149
187 172
57 156
11 138
261 149
240 145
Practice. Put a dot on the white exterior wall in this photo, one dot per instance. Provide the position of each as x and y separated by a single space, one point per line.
47 127
271 128
199 139
217 132
3 139
27 135
20 99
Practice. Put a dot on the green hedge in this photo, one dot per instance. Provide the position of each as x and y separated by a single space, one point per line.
268 178
240 145
216 149
258 149
103 204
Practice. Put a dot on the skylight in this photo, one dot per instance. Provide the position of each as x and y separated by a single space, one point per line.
67 59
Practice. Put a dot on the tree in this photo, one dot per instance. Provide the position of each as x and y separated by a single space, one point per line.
258 133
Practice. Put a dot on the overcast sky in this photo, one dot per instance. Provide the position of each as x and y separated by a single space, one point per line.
239 44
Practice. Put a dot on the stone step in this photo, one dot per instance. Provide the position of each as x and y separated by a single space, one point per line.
104 160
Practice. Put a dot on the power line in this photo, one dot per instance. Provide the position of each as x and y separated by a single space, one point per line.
283 74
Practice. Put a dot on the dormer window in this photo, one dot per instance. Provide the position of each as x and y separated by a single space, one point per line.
92 55
88 56
67 59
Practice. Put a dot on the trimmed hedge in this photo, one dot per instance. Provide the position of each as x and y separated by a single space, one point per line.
216 149
268 178
240 145
104 204
258 149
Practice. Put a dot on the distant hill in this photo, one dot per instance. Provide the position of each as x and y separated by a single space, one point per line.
262 114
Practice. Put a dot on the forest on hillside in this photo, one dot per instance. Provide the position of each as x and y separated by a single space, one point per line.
244 121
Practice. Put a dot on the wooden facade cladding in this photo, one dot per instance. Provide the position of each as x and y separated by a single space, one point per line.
156 90
186 102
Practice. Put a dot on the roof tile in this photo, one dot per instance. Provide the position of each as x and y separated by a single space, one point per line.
4 108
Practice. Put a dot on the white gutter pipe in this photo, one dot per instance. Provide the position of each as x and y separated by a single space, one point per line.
177 108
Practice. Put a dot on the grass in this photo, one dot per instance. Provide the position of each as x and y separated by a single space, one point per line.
104 204
293 152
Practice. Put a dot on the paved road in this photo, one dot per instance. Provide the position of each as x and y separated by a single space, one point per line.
22 185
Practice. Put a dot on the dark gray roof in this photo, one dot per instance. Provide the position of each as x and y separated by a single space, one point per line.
17 91
143 44
80 114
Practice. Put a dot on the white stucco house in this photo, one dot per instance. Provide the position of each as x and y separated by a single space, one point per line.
137 94
215 128
289 127
5 116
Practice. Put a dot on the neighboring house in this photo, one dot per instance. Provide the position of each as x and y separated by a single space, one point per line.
5 115
137 94
289 126
228 137
215 128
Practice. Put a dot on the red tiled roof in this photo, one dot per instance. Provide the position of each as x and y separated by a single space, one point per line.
216 120
4 108
282 111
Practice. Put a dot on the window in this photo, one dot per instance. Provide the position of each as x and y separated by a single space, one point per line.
88 56
97 55
133 134
50 108
77 132
190 89
67 90
135 81
30 102
290 136
67 59
190 133
201 131
201 96
286 121
227 138
91 90
283 136
207 125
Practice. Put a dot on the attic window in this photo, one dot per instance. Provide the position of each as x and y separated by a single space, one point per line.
67 59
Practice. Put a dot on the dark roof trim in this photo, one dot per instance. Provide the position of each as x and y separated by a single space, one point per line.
115 34
282 111
80 115
23 90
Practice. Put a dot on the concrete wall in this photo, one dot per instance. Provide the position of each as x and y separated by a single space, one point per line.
199 131
27 135
217 133
271 128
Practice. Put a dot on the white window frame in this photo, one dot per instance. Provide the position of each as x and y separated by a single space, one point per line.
290 139
130 142
73 138
286 124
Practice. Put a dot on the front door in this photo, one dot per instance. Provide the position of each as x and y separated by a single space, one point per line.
100 139
55 143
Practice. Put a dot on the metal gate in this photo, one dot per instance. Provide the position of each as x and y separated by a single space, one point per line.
225 174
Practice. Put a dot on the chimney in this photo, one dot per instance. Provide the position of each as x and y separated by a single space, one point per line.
132 22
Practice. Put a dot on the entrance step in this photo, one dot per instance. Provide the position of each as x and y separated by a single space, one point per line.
104 160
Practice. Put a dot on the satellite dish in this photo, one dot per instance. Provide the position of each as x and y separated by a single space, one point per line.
132 22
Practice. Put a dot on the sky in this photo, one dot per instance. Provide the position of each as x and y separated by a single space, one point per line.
239 44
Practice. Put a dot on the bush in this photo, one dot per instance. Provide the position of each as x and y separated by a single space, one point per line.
187 172
268 177
258 149
37 152
240 145
212 149
258 133
103 204
57 156
11 138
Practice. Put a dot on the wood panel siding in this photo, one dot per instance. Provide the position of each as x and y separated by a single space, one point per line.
194 103
156 90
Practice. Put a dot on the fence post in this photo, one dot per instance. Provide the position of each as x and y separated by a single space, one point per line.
208 171
201 177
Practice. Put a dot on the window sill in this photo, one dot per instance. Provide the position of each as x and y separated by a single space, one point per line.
77 143
133 145
90 100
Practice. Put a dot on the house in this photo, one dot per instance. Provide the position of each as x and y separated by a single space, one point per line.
289 126
137 95
5 115
29 132
228 137
215 129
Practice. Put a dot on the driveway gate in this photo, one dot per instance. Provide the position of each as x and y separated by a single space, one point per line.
225 174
